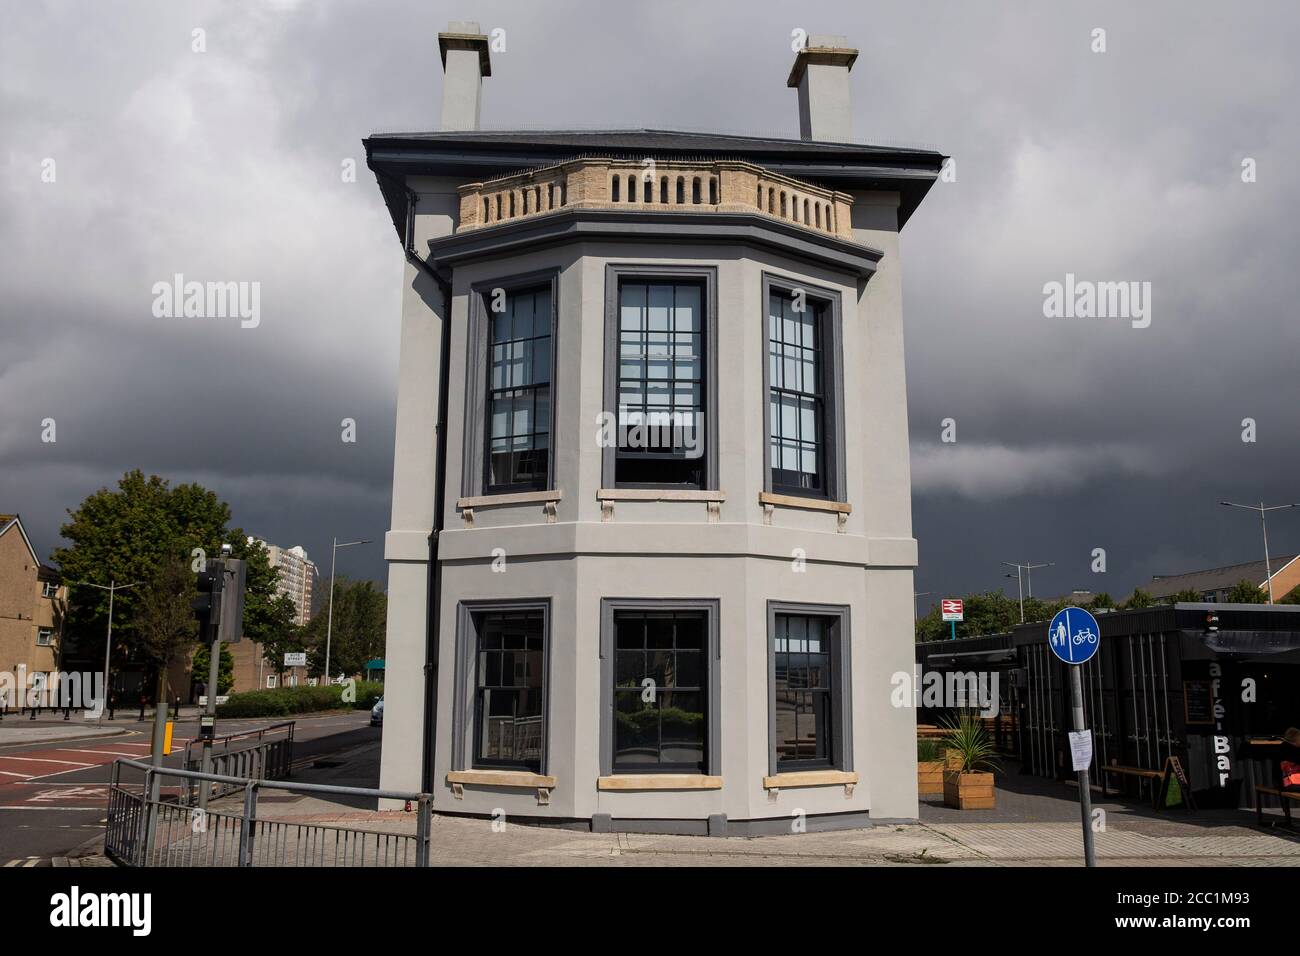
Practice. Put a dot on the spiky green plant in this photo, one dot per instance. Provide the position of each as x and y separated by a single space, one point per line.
927 750
967 736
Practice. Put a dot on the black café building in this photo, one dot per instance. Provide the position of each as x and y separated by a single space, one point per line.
1214 685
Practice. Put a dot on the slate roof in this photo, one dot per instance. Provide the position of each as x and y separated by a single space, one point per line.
1216 579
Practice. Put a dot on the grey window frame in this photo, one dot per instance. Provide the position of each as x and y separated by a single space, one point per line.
474 456
833 386
713 699
841 679
464 691
48 631
615 274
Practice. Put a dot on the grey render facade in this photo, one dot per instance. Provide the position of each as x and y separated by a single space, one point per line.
651 555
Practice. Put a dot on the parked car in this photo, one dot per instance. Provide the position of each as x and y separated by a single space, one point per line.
377 713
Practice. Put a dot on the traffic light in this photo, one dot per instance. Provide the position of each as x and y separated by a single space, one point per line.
231 626
219 603
207 603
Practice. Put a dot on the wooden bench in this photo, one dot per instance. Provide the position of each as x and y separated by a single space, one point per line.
1284 797
1141 773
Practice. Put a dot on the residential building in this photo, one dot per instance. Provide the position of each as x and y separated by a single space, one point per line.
32 603
1215 584
254 671
297 577
656 378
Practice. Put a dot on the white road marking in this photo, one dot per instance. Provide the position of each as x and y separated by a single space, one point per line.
53 806
9 773
70 763
111 753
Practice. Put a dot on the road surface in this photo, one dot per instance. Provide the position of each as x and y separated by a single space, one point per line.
53 795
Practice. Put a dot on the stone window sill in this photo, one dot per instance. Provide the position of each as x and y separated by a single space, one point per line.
509 779
712 500
811 778
546 499
659 781
659 494
770 501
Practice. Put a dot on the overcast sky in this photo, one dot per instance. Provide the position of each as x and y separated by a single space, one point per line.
1072 433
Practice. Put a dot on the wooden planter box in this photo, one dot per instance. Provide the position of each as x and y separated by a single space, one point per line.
968 791
929 777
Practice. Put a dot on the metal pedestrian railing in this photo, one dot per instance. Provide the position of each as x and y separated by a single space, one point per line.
262 754
146 830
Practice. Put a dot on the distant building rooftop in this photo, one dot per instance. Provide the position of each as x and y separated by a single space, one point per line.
1222 579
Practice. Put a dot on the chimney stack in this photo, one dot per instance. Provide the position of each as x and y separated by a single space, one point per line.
821 74
465 61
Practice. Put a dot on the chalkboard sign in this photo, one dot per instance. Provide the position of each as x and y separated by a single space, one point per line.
1198 704
1174 771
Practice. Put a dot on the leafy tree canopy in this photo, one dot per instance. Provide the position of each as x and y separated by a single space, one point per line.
146 524
360 616
1247 592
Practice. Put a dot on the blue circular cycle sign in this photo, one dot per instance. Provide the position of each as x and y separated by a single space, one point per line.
1074 635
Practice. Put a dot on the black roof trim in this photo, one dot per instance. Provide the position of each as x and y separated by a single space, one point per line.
578 224
484 154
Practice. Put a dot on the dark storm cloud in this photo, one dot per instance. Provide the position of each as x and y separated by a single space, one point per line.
1072 434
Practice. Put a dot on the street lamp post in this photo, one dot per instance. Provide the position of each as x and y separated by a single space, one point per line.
329 623
113 588
916 611
1029 570
1262 509
1029 575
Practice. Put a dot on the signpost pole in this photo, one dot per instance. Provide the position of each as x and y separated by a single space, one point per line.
1085 794
1074 642
208 722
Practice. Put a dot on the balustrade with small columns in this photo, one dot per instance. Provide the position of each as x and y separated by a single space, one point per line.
655 186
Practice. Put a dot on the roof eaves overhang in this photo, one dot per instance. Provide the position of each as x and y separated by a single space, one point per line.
446 253
911 173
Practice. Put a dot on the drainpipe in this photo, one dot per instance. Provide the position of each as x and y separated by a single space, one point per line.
434 584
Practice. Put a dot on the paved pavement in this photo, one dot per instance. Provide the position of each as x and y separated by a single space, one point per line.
1036 823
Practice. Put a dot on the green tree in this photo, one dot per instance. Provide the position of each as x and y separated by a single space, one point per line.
127 534
991 612
1244 592
360 616
164 619
1138 598
1101 599
200 667
1185 596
